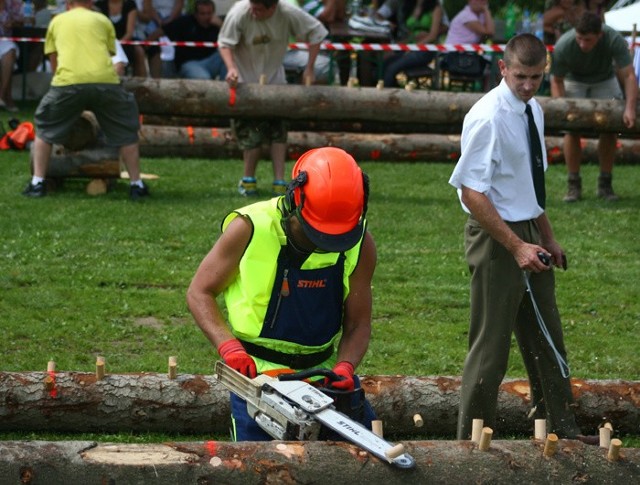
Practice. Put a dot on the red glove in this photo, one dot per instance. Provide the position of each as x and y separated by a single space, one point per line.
234 355
344 369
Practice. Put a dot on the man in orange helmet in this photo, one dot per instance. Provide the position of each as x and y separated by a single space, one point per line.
295 272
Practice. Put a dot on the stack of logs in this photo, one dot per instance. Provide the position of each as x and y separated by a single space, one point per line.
190 118
410 408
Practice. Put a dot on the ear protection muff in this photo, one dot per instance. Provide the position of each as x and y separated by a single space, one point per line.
289 197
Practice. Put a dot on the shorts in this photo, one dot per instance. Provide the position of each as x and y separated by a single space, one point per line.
608 89
115 109
252 134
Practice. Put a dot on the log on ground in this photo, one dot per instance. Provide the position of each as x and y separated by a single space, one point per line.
187 142
445 462
98 162
199 404
182 97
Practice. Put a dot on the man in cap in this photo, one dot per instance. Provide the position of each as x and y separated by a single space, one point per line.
295 272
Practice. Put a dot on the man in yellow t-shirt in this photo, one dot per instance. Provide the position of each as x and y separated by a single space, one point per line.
80 43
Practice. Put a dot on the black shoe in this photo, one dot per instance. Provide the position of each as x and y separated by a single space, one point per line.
136 192
35 190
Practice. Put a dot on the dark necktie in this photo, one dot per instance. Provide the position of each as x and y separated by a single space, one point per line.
537 166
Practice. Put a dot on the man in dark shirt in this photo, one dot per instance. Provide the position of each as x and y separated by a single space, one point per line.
201 26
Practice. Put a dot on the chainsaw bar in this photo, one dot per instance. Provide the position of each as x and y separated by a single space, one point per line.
261 396
315 402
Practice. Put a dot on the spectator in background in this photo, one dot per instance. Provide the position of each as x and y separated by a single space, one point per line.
326 11
201 26
472 25
253 42
559 17
80 43
120 60
124 16
418 22
10 17
587 63
153 14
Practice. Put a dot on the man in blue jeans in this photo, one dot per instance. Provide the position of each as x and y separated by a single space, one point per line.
201 26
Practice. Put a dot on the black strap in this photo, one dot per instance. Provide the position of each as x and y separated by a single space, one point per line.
292 361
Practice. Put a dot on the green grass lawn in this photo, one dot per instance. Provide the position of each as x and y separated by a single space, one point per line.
82 276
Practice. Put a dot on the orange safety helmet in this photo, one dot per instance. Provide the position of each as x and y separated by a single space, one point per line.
329 194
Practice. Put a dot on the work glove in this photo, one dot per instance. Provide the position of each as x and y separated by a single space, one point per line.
234 355
345 370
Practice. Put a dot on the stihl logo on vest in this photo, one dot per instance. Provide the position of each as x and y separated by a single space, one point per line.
312 283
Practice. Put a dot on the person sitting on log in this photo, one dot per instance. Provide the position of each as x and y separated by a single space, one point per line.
296 273
80 43
253 42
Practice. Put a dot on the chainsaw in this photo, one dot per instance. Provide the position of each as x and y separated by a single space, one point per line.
290 409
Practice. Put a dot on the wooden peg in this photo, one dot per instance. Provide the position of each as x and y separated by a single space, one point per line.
608 426
550 445
380 84
263 79
49 380
376 427
605 437
307 81
394 452
614 450
476 430
418 421
485 439
540 429
173 367
99 368
410 86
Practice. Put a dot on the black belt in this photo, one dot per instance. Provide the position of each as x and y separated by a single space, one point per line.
292 361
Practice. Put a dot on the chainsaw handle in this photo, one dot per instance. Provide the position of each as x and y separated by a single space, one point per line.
307 374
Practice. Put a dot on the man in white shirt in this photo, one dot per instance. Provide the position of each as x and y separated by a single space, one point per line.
511 249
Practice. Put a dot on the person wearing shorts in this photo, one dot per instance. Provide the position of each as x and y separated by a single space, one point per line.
591 61
253 42
80 43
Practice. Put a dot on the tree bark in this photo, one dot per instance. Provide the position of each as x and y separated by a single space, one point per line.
196 404
180 97
190 141
97 162
211 462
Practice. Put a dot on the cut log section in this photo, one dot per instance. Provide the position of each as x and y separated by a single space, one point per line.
78 402
182 97
209 462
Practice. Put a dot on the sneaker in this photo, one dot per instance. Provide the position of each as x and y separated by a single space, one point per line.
605 189
136 192
248 187
279 187
35 190
574 191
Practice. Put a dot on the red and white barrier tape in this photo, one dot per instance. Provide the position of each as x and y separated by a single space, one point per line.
330 46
